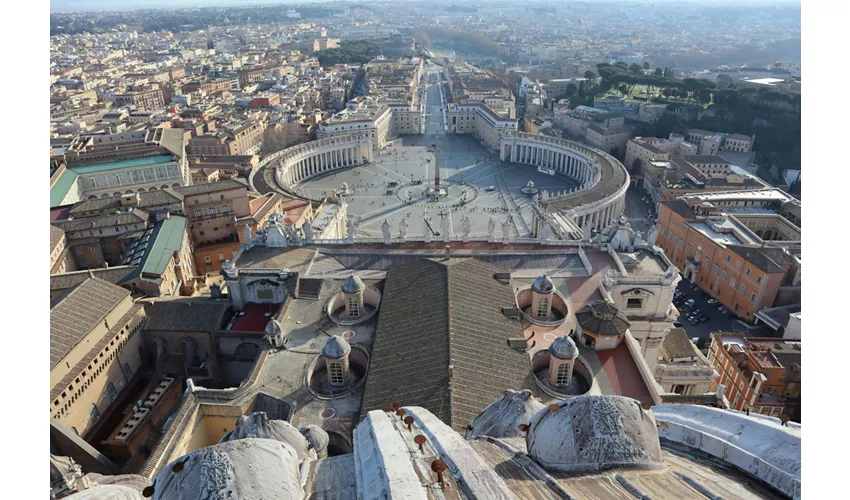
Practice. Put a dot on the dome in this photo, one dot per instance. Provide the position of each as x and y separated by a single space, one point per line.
352 284
335 348
564 348
543 284
258 425
317 437
502 418
593 434
602 318
248 469
100 492
273 328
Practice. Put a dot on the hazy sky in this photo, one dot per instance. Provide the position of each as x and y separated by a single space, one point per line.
113 5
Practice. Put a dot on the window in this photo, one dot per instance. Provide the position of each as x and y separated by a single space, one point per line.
207 259
225 209
128 372
563 375
336 374
723 275
222 197
743 289
113 394
758 280
688 251
94 414
221 257
634 304
753 297
705 262
353 307
212 211
728 257
198 211
714 269
202 233
543 308
79 251
747 272
732 281
737 264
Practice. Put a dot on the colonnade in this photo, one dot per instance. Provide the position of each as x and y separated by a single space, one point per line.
303 161
595 170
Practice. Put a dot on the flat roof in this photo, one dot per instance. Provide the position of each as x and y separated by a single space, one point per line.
254 317
727 238
60 189
117 165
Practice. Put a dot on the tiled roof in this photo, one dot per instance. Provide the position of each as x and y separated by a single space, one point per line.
677 345
77 312
768 259
186 315
441 340
211 187
602 318
103 221
56 235
113 275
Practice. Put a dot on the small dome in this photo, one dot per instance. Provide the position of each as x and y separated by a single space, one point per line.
602 318
543 284
273 328
352 284
317 437
564 348
335 348
503 417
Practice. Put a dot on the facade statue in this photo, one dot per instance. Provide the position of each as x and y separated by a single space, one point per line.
445 228
385 230
246 234
653 235
402 229
350 230
308 231
585 229
491 229
467 227
506 231
296 237
637 239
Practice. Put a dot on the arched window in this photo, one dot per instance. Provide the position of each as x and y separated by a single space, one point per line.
94 414
336 374
128 372
679 389
563 375
113 394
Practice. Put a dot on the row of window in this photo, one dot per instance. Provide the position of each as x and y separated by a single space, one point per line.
225 209
95 368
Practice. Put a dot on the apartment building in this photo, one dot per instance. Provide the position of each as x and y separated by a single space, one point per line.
242 139
642 150
94 353
723 256
142 100
761 375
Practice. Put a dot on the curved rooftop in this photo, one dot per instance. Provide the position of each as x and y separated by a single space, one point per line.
564 348
543 285
602 318
336 348
594 433
352 284
503 417
259 426
273 328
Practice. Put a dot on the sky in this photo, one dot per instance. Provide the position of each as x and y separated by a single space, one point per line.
114 5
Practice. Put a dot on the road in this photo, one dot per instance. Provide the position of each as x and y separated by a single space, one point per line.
716 323
637 210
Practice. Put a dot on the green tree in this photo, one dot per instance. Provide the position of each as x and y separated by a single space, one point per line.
635 69
572 88
645 65
659 72
590 75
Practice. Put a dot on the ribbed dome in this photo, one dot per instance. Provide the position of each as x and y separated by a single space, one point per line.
352 284
564 348
602 318
543 284
594 433
273 328
335 348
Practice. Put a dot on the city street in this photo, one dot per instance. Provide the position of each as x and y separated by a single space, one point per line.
637 210
717 322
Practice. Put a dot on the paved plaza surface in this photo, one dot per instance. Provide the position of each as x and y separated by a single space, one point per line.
478 186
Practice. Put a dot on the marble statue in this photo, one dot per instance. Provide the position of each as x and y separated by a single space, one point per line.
585 229
402 229
466 226
350 230
491 229
445 228
296 237
637 239
653 235
385 230
506 231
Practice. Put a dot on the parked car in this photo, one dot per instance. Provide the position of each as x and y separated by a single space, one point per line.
712 302
694 339
698 312
704 319
693 320
690 303
722 309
